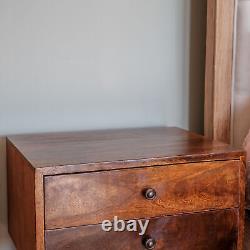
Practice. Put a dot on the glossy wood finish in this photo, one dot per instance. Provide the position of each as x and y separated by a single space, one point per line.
58 178
93 150
202 231
88 198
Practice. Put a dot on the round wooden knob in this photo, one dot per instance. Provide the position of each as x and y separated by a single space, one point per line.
149 243
150 194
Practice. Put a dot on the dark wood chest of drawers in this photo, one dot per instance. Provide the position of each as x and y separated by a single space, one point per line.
61 186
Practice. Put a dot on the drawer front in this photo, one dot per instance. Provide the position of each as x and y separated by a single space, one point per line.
204 231
90 198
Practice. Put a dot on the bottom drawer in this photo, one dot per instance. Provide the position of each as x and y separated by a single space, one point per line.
215 230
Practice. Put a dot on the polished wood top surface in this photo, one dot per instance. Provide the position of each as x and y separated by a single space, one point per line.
169 144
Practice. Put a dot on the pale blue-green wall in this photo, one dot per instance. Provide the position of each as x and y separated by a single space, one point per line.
88 64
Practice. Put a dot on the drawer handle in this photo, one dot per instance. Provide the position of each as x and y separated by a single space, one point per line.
150 194
149 243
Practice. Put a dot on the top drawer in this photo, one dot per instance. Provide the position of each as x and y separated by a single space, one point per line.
90 198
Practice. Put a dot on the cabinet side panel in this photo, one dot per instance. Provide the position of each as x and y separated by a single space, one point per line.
21 200
242 190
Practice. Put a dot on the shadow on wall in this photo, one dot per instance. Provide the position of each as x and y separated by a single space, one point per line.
197 64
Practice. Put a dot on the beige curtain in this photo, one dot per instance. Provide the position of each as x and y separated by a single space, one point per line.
241 121
241 93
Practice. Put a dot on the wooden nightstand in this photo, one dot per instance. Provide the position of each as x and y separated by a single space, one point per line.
61 186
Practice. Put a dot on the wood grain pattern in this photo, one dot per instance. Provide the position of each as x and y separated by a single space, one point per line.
71 179
80 199
204 231
247 148
21 200
59 153
209 69
247 231
219 64
39 209
242 193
